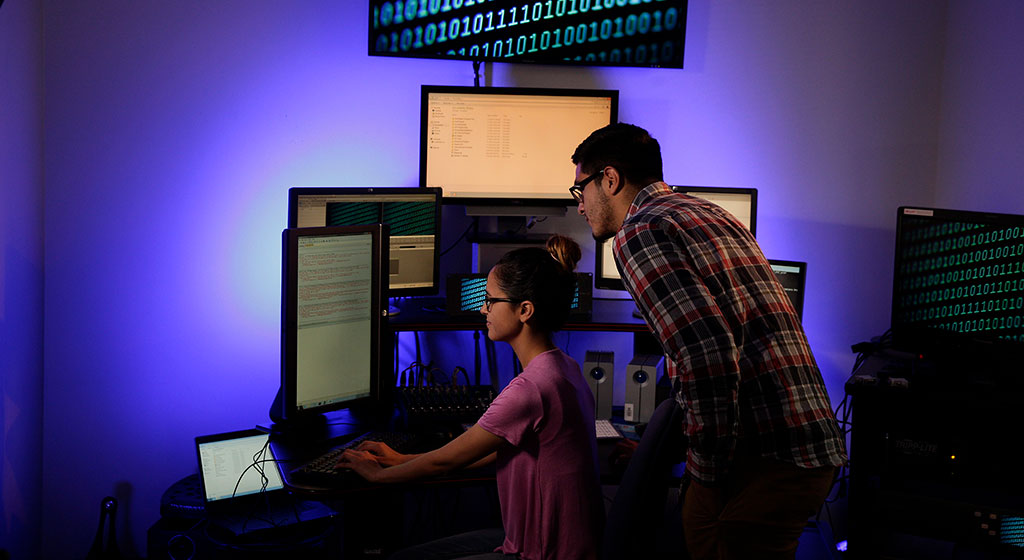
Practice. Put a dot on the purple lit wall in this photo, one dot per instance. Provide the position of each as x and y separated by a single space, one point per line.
21 278
173 131
980 152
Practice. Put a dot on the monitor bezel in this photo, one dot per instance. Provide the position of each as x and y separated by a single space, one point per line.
607 283
288 410
927 340
294 193
525 202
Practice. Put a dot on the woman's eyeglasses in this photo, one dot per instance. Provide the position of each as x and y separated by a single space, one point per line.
489 301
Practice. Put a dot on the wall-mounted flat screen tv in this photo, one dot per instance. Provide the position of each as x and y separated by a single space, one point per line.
642 33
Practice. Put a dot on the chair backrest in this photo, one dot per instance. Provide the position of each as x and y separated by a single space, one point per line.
636 518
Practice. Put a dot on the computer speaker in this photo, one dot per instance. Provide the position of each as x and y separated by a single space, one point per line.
599 370
642 376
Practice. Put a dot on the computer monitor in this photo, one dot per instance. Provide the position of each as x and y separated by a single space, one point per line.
465 295
333 297
507 149
560 32
413 216
793 277
741 202
958 281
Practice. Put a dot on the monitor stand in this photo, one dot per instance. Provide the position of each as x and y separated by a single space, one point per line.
311 427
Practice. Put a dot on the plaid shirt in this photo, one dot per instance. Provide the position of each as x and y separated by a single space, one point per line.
747 379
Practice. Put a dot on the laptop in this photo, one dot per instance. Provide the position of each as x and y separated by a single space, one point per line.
242 488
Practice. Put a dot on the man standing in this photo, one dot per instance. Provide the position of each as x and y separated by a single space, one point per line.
764 442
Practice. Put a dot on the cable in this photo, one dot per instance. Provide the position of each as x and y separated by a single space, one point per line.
464 374
476 72
476 356
416 338
475 224
431 379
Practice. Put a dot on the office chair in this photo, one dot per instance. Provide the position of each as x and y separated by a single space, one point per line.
642 522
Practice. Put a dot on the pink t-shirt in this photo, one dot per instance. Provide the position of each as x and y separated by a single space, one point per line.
547 481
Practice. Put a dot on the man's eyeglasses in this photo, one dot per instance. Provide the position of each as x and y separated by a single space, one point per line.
577 190
488 301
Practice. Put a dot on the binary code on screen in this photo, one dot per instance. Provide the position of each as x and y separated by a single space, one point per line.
960 275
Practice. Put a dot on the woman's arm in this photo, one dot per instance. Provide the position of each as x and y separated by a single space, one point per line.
475 446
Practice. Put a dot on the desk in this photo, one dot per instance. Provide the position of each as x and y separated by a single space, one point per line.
291 453
377 519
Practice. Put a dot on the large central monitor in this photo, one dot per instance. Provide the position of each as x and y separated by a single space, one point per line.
331 308
507 147
740 202
959 280
412 215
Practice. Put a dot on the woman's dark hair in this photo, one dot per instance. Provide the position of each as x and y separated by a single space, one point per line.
544 277
626 147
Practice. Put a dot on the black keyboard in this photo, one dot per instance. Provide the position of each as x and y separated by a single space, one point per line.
321 471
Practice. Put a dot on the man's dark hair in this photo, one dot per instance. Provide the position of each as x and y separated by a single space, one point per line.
626 147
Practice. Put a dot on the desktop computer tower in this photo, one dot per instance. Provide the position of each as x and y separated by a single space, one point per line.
642 376
932 455
599 371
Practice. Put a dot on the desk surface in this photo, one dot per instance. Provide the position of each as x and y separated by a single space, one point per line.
292 452
428 314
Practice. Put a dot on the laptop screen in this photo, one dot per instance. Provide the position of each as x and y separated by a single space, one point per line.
234 464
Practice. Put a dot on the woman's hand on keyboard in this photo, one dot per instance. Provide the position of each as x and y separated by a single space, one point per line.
383 454
362 462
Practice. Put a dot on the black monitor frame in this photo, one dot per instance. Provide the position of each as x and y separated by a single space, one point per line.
606 282
296 193
523 199
285 411
992 267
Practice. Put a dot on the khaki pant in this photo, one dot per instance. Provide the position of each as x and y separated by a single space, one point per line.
759 512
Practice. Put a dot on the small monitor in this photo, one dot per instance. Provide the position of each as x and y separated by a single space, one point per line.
959 280
465 295
738 201
509 148
332 303
793 277
413 216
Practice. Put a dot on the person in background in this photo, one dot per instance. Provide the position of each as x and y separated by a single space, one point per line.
539 431
764 444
